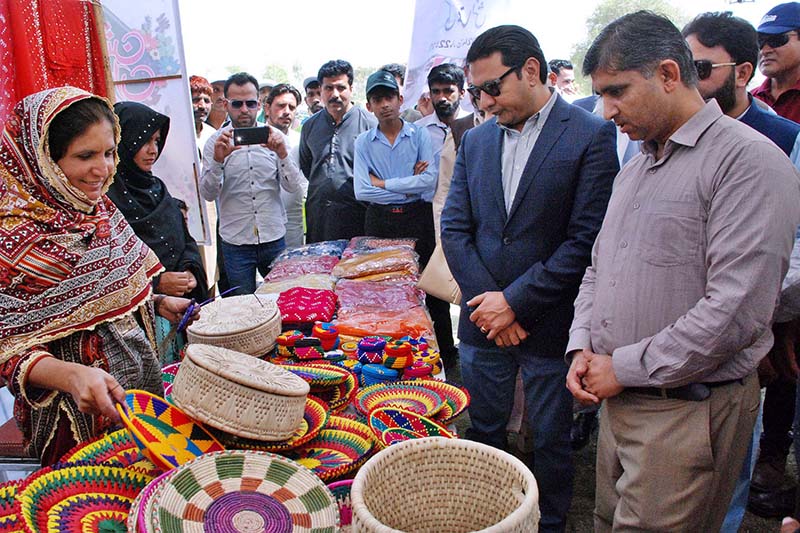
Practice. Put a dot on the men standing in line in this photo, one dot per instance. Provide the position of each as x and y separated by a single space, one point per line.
725 53
247 180
562 77
282 102
673 314
394 170
779 44
527 198
326 157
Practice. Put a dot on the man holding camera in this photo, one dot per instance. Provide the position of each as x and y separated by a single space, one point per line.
245 170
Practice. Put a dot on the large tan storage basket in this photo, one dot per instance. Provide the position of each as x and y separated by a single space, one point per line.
239 394
247 324
438 485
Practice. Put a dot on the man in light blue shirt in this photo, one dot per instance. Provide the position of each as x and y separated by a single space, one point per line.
395 171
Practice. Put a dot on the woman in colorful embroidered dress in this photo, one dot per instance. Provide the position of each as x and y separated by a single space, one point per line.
148 207
75 281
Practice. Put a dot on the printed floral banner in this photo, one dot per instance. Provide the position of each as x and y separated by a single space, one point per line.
147 65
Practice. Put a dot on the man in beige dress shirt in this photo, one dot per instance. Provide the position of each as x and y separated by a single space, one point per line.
673 315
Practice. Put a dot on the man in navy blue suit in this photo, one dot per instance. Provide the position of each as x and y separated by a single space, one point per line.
528 195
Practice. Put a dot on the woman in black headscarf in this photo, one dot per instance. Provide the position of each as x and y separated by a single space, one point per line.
147 205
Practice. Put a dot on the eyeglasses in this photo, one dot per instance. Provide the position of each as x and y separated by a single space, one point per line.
491 87
237 104
704 67
774 41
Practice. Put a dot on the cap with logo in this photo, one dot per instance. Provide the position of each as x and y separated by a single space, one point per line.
381 78
780 19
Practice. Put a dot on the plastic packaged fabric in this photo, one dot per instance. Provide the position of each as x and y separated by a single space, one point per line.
334 248
303 306
301 265
362 245
397 259
355 294
396 324
309 281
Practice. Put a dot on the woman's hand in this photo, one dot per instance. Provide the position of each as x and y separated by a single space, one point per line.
176 283
173 309
94 390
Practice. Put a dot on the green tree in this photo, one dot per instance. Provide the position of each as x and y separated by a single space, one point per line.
233 69
276 73
608 11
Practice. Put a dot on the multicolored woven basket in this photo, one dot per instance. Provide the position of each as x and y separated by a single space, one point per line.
384 418
456 398
79 498
241 491
114 449
9 519
411 396
333 453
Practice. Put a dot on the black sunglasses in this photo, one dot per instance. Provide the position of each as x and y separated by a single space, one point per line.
236 104
704 67
774 40
491 87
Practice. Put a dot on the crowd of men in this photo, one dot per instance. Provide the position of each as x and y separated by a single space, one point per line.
634 244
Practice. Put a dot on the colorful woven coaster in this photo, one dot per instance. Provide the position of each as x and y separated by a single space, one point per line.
340 396
384 418
79 498
411 396
456 398
341 491
314 419
333 453
114 449
319 374
165 434
242 491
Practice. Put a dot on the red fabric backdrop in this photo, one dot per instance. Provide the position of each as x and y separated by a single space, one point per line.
48 43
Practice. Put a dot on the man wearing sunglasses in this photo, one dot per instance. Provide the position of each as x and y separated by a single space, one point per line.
527 198
247 181
725 52
779 60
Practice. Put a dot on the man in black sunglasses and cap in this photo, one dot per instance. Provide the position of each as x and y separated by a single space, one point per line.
779 46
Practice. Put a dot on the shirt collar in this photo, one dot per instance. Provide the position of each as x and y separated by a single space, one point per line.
763 90
406 131
691 130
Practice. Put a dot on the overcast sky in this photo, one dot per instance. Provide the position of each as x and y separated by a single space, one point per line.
252 34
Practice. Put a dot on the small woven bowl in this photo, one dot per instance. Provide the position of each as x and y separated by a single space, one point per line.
448 486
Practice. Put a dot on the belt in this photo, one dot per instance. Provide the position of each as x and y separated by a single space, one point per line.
693 392
401 209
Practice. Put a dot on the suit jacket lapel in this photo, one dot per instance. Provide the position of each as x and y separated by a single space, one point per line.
552 130
495 146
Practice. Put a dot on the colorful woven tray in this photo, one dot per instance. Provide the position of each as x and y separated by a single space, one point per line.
238 491
319 374
140 509
456 398
340 396
79 498
347 423
341 491
333 453
384 418
411 396
164 433
394 435
9 519
114 449
314 419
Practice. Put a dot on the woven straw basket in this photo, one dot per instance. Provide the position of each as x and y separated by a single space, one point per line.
246 324
438 485
239 394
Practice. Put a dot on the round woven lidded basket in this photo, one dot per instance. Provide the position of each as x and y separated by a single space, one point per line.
246 323
239 394
449 486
